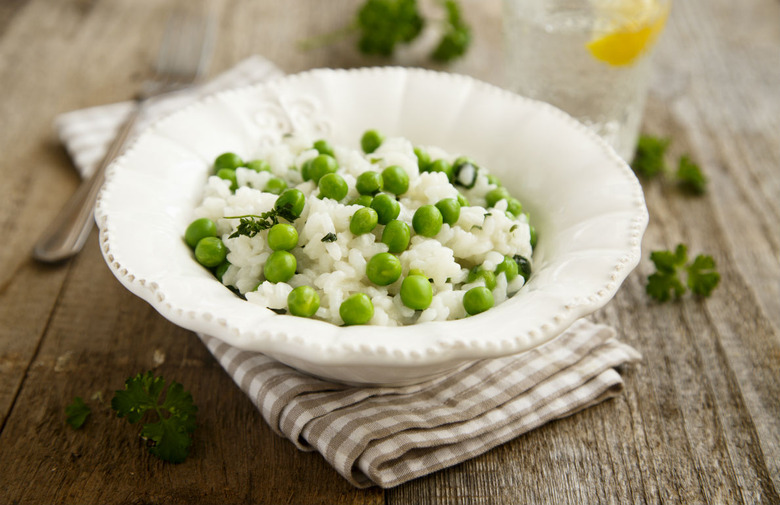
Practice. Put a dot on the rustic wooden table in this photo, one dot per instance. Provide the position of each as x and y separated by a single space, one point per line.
700 418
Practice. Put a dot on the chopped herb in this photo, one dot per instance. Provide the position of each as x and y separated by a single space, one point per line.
76 413
513 228
523 266
252 224
690 176
702 276
649 157
278 311
330 237
488 214
171 434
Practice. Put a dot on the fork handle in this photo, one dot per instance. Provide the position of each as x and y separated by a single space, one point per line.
69 230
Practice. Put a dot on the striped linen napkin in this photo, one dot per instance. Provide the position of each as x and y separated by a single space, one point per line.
380 435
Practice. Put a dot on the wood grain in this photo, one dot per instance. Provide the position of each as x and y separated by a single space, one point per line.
699 420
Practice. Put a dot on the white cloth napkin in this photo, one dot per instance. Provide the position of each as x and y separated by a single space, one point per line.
379 435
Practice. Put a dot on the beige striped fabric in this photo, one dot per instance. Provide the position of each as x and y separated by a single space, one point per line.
387 436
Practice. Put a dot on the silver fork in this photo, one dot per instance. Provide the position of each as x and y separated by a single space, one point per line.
184 53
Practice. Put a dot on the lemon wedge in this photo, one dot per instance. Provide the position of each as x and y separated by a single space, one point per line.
632 26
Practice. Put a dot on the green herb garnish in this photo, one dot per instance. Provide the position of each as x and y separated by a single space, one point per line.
171 434
702 276
329 237
690 176
649 157
383 25
457 35
252 224
76 413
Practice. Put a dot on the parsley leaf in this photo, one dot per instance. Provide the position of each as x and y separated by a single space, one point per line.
649 156
76 413
457 35
329 237
690 176
171 434
665 282
702 277
385 23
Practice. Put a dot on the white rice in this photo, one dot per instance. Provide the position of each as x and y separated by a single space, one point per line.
338 269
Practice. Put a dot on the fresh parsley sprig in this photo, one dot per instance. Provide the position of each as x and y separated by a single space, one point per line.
457 35
701 276
383 25
171 433
649 156
76 413
650 162
690 176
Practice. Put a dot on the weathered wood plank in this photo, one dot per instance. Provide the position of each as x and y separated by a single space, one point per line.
698 421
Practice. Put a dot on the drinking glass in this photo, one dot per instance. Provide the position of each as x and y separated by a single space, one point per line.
590 58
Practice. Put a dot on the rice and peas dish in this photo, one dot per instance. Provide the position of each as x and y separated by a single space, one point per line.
391 234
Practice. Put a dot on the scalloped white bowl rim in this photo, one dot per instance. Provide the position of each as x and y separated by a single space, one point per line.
591 217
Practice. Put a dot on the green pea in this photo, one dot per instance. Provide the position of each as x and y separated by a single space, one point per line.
321 165
492 179
306 170
364 200
228 174
477 300
198 229
427 221
324 147
282 237
280 266
496 195
450 210
333 186
369 183
292 198
462 200
228 160
363 221
514 206
371 140
219 272
416 292
441 166
396 236
357 309
303 301
395 180
386 207
423 159
259 165
509 267
383 269
487 276
275 185
210 252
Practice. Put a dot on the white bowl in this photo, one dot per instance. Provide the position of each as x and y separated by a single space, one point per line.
585 202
